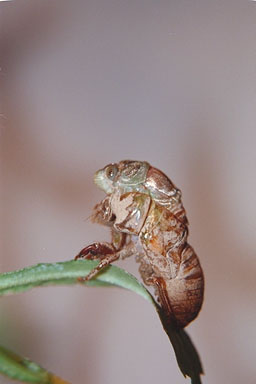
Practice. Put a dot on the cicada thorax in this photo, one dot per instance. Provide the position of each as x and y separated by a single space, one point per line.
173 262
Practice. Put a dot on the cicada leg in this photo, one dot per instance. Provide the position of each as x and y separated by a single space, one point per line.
105 252
95 251
150 278
163 296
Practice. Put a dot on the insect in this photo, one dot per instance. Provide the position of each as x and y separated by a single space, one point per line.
144 210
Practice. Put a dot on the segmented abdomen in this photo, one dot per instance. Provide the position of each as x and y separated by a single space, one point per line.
173 260
185 290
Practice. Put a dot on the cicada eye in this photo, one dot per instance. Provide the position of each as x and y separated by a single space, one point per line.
111 171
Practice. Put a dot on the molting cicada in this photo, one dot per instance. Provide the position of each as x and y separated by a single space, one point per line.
144 210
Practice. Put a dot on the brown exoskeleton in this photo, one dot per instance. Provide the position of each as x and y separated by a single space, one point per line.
143 208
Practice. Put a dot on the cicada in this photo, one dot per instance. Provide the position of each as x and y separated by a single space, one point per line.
144 211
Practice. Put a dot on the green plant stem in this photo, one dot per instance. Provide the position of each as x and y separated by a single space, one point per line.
18 368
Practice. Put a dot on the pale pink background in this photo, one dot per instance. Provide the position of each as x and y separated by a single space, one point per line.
90 82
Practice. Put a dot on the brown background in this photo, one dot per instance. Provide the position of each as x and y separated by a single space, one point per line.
85 83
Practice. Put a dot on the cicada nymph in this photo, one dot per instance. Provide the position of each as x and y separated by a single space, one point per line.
144 210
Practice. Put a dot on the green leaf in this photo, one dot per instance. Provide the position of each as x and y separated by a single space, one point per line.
25 370
67 273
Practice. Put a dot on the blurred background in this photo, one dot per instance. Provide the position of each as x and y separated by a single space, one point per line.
85 83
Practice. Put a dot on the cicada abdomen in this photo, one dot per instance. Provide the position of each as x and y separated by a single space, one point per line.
169 262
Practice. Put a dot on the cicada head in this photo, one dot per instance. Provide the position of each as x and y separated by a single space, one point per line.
128 175
105 178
